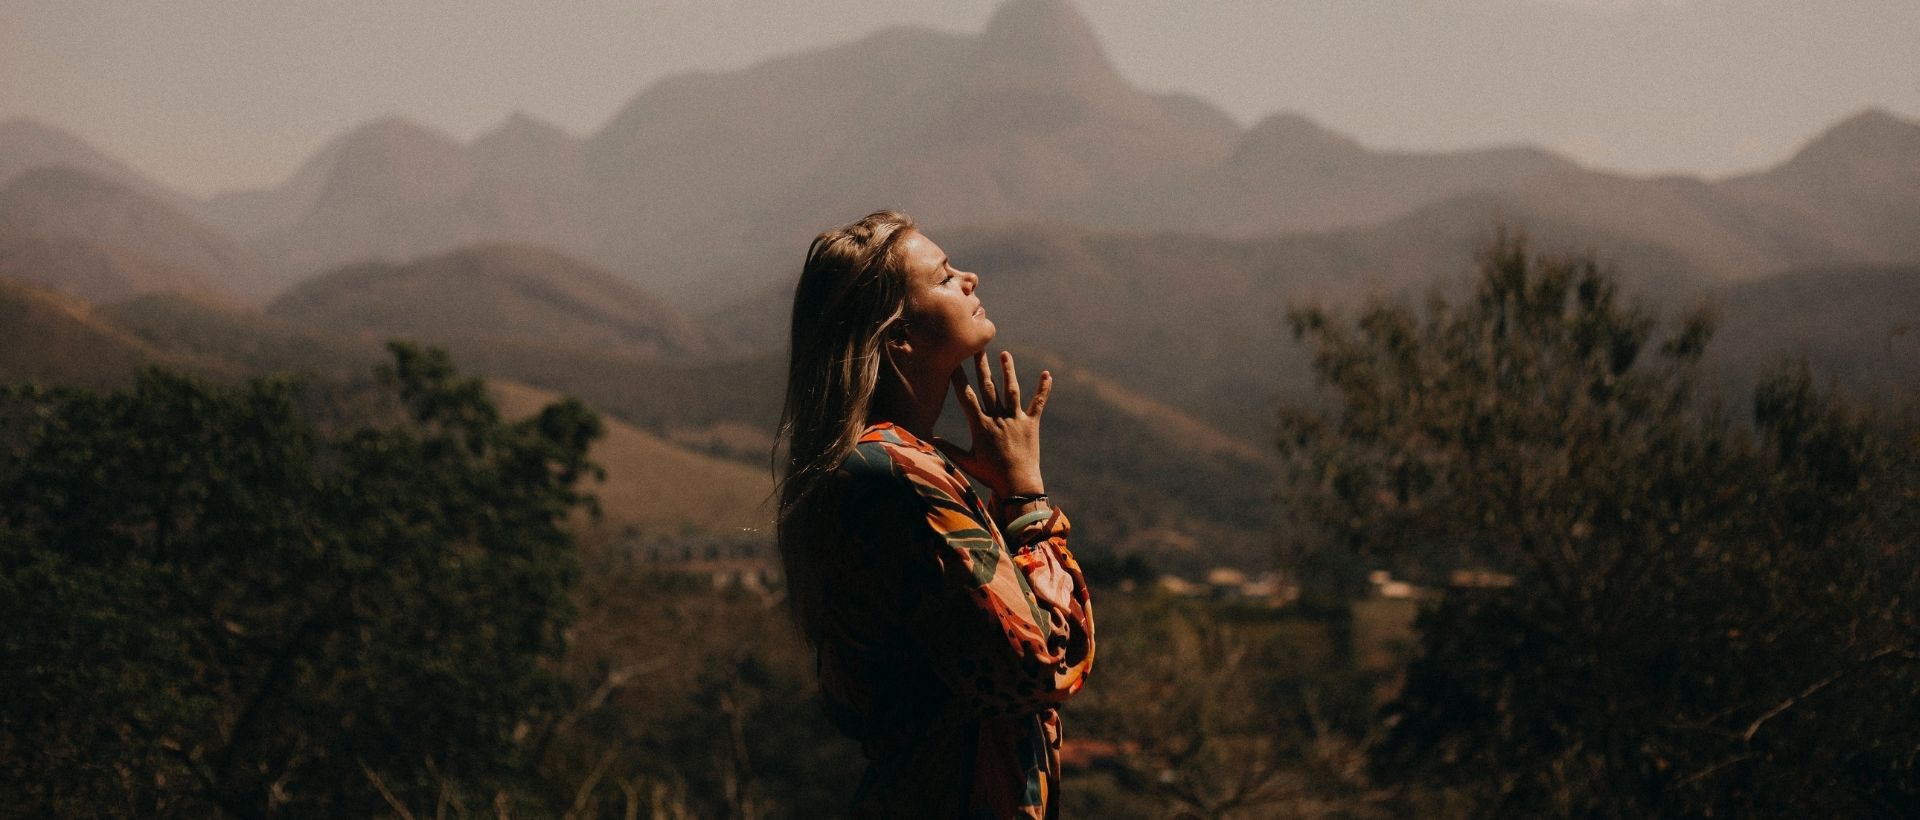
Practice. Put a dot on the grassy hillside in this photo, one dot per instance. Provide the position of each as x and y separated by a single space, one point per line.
525 293
57 340
654 485
246 338
92 271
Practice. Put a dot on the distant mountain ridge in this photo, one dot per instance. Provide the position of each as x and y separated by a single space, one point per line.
393 189
101 239
1859 180
1017 121
507 292
706 185
26 145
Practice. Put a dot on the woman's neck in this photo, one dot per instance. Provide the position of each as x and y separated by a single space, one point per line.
913 403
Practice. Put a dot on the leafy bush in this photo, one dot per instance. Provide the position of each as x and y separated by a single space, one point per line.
1709 616
216 606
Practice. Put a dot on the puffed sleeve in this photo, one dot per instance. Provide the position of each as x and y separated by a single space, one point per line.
1010 632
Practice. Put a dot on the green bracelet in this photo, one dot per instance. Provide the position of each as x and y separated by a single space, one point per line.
1030 518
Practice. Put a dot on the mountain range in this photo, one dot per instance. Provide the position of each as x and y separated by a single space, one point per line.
706 184
1145 246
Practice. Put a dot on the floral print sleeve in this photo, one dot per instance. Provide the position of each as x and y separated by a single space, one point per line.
1010 626
953 636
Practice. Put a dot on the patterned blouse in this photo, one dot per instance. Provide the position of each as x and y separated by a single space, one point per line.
948 642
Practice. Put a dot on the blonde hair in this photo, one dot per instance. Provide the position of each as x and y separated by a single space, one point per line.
852 293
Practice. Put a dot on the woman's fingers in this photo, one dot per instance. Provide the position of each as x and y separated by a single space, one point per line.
1040 394
988 400
969 403
1006 436
1003 400
1013 383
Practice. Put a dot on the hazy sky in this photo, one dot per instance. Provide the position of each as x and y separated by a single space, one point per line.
211 94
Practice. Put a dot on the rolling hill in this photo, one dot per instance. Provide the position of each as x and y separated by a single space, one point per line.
56 340
654 485
62 207
507 293
93 272
244 338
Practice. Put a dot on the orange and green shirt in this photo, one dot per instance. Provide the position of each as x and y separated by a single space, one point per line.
949 642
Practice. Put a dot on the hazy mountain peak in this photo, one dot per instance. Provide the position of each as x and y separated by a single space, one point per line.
1297 134
100 237
27 143
521 127
397 158
526 147
1875 117
397 132
1873 132
1872 147
1047 35
1286 142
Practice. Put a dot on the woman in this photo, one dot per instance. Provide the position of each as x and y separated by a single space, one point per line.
947 627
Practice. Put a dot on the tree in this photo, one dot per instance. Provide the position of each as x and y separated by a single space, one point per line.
217 605
1709 616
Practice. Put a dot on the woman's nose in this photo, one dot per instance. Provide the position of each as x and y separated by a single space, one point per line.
972 280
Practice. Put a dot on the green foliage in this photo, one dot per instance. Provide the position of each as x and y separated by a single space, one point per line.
1215 710
1709 618
711 709
215 606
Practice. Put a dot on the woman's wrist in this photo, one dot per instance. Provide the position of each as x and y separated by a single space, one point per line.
1030 484
1015 505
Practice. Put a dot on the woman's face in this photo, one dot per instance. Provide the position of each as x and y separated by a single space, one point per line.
946 324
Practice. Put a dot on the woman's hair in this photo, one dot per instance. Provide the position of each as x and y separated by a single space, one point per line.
852 292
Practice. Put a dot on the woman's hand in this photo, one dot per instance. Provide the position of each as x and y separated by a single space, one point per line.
1005 454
